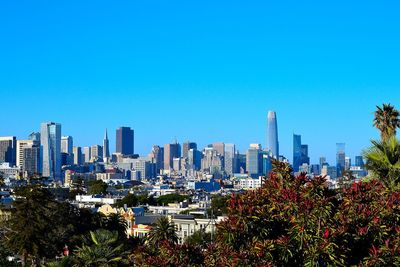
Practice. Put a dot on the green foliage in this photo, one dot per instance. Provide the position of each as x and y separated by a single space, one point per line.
170 198
163 230
387 121
383 159
39 225
115 223
130 200
218 206
97 187
199 238
101 249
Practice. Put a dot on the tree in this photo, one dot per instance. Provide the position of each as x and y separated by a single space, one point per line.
97 187
130 200
100 249
386 120
199 238
218 205
163 230
77 188
115 223
40 226
383 159
170 198
2 183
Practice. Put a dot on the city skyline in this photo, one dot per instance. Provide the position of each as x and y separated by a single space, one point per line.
167 72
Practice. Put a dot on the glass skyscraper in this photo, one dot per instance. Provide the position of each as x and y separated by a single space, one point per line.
125 141
296 152
340 158
50 143
273 143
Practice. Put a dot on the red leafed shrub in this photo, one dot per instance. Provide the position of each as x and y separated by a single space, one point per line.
297 221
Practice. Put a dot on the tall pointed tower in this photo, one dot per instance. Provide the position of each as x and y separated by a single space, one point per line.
273 143
106 146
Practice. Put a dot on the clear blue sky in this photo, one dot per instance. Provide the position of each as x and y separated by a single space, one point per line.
200 70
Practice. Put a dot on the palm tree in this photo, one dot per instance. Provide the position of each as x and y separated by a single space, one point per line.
115 222
101 249
383 159
387 120
163 230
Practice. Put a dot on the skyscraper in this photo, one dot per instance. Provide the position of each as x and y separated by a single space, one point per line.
87 151
359 161
77 155
31 158
157 154
171 151
50 142
230 159
304 155
66 144
125 141
97 152
340 158
8 149
186 147
254 162
273 143
106 146
20 151
296 152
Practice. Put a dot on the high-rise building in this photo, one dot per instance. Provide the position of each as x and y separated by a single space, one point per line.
30 159
347 163
125 141
171 151
66 144
8 149
186 147
322 162
340 158
20 151
230 153
254 162
106 146
97 152
296 152
34 136
50 142
77 151
304 155
273 143
157 154
359 162
87 154
194 159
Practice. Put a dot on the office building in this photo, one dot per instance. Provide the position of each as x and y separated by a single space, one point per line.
30 160
171 151
194 159
87 153
50 143
157 154
340 158
97 152
186 147
20 151
254 162
77 151
66 144
229 159
347 164
273 143
296 152
106 146
35 136
125 141
8 150
359 162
